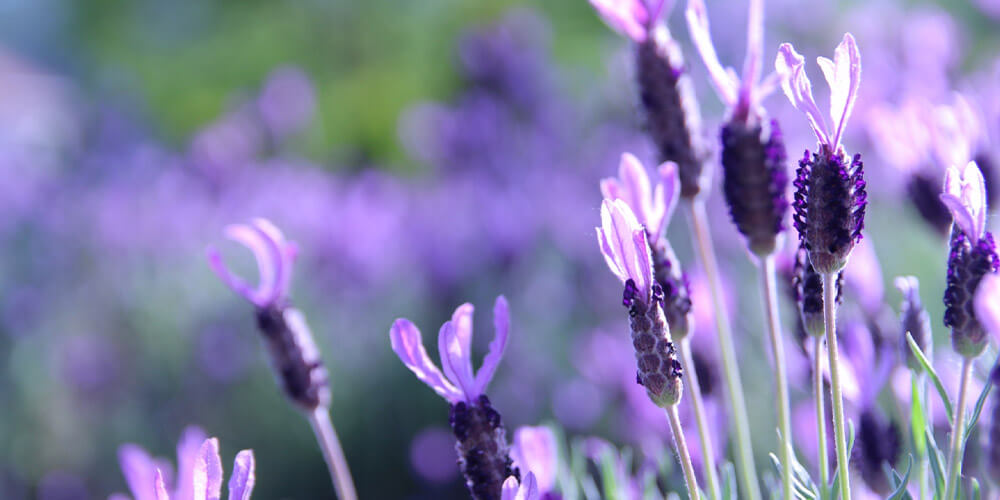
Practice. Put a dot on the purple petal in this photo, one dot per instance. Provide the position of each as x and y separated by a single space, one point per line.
139 470
509 488
609 256
611 242
611 189
160 487
242 479
864 277
644 278
628 17
501 326
266 254
455 347
755 52
207 476
187 455
843 74
529 488
987 304
697 18
285 253
536 451
963 217
790 66
636 188
235 283
670 180
407 344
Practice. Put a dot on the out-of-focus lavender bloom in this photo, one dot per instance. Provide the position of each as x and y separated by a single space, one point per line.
287 101
965 196
914 320
432 455
632 18
957 132
61 485
623 244
458 383
987 304
577 403
864 278
520 490
274 257
652 207
536 451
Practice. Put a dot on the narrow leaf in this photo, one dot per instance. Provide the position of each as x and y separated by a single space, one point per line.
926 365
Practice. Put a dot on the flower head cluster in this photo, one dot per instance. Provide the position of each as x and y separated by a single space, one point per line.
830 198
632 18
274 257
199 471
973 255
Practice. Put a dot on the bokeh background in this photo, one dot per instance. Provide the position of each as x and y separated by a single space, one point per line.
422 154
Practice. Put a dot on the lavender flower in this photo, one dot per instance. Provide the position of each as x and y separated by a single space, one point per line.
987 304
830 199
653 209
665 90
914 320
536 451
808 288
294 355
199 470
879 442
482 445
973 255
513 489
626 250
753 153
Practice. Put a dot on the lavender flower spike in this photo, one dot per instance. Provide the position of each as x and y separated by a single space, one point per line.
973 255
518 490
632 18
274 257
482 445
830 199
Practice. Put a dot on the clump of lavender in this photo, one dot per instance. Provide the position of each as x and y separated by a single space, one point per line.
294 357
199 471
914 320
753 153
482 440
666 93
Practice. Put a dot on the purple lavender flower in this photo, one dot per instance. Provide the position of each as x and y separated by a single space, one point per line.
830 199
514 489
536 451
914 320
632 18
482 445
294 355
623 243
973 255
807 285
653 209
199 470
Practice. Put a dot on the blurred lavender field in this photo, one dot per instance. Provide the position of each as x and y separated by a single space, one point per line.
421 154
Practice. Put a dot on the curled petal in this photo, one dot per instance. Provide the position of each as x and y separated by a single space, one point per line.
406 343
843 74
723 81
242 480
501 326
790 66
987 304
455 347
755 52
207 477
285 253
266 253
535 450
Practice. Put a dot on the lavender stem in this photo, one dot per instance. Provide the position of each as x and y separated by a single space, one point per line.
697 405
957 432
734 386
326 435
824 466
919 386
780 376
830 321
682 452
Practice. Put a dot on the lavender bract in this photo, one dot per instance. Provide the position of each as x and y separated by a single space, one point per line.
830 199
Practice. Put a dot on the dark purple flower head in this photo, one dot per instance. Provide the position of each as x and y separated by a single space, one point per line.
879 442
458 383
913 320
274 257
632 18
652 207
625 247
808 288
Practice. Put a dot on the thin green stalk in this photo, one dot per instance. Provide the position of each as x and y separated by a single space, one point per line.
957 432
734 386
918 382
824 458
780 376
326 435
682 452
830 320
704 434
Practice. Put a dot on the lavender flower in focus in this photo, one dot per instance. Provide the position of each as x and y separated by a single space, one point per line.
482 444
753 153
830 199
653 209
914 320
665 90
199 469
623 243
972 256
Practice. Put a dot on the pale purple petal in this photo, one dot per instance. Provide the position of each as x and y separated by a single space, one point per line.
509 489
611 189
965 196
501 326
207 477
697 18
535 450
529 488
755 52
235 283
864 277
455 347
790 66
611 242
963 218
987 304
645 261
266 254
670 180
625 226
187 455
609 256
160 487
242 479
139 470
285 254
407 344
628 17
636 188
909 286
843 74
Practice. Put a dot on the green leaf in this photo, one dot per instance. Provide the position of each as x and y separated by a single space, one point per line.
976 493
802 491
936 460
728 475
975 413
926 365
918 421
900 492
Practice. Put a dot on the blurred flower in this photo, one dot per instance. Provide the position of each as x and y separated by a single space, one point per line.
914 320
536 452
652 207
965 196
274 258
432 455
520 490
987 304
287 101
632 18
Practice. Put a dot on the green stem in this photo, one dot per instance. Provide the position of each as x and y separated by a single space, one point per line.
734 386
830 320
326 435
824 458
704 435
780 376
957 431
682 452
